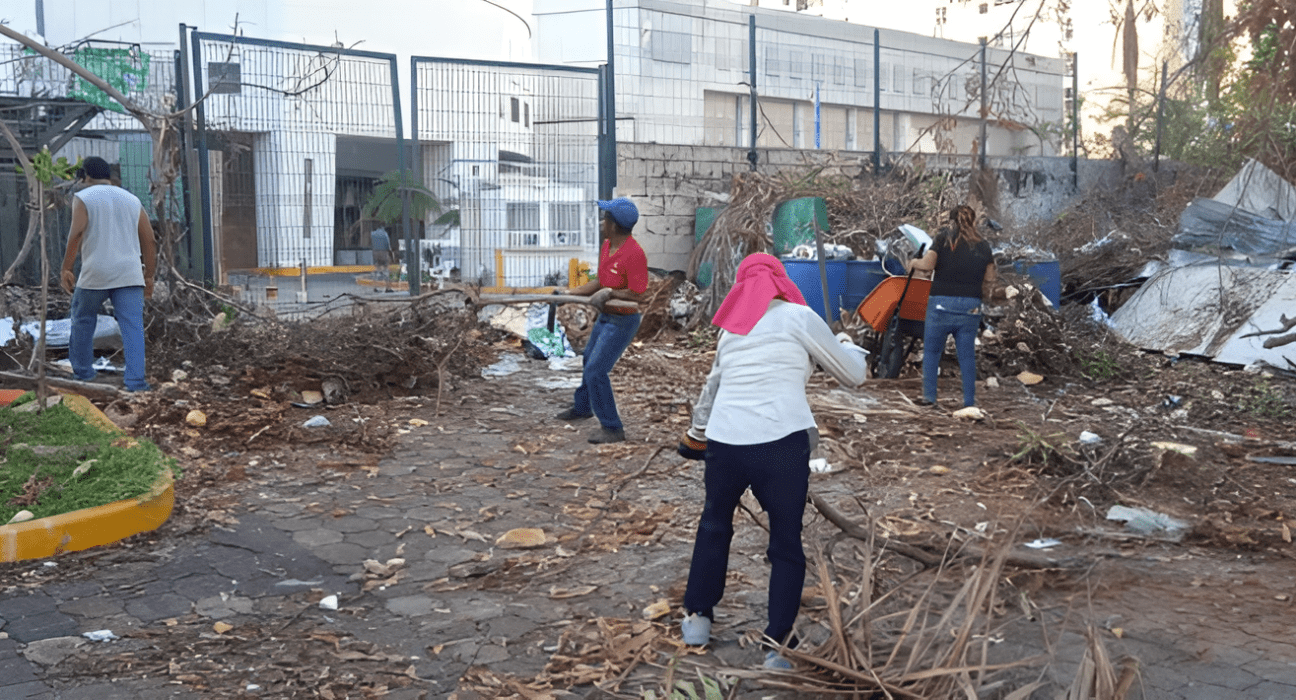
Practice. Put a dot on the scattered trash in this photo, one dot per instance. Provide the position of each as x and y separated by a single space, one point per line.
819 465
1172 401
549 343
310 398
317 422
329 602
179 375
567 364
58 332
297 582
1286 461
1097 313
939 469
1148 522
507 365
101 364
559 382
970 412
252 687
83 467
21 516
1043 543
100 636
1186 450
1090 439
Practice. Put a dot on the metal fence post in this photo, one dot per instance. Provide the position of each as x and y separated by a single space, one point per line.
1075 121
204 165
411 257
611 97
752 155
985 108
877 102
1161 97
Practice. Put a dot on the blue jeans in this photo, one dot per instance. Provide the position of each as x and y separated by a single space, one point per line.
778 473
611 336
128 308
945 316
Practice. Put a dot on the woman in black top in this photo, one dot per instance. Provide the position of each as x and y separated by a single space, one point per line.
962 262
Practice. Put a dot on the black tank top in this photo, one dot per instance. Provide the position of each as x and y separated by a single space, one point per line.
959 271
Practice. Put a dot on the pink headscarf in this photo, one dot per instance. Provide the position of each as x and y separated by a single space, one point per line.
760 279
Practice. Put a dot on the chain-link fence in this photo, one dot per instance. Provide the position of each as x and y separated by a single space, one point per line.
285 133
511 152
46 105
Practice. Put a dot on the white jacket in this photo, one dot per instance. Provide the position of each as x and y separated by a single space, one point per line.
755 392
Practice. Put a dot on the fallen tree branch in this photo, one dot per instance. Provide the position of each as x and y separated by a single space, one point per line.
29 381
550 299
918 554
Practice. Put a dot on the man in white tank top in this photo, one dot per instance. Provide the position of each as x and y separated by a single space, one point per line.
111 232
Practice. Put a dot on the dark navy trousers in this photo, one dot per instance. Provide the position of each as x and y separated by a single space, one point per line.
778 473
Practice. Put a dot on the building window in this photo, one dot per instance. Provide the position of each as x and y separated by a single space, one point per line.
883 76
523 216
513 109
796 65
983 8
671 47
919 82
863 69
897 79
526 114
565 221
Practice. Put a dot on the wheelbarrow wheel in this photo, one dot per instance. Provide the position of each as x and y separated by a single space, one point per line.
892 354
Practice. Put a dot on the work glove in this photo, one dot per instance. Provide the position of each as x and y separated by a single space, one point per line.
694 444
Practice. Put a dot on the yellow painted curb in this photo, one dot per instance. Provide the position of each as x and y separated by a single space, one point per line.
89 527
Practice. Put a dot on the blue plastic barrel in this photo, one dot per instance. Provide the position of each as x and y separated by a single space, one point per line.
1047 274
805 274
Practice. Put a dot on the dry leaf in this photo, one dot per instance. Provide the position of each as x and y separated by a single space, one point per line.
83 467
222 627
971 413
312 397
1186 450
196 418
939 469
522 538
1286 533
1118 631
417 422
562 593
1029 378
657 610
431 531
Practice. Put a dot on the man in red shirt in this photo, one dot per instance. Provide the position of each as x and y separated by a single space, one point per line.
622 274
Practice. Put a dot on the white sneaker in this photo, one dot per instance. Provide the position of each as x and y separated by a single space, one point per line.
775 661
696 629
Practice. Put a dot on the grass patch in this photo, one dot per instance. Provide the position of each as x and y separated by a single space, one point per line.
41 451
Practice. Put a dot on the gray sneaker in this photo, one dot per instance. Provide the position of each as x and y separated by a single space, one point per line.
696 629
775 662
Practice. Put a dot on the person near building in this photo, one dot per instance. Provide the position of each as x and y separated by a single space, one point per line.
962 264
112 234
753 426
380 241
622 274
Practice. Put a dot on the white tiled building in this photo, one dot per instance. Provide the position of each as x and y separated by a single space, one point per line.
682 69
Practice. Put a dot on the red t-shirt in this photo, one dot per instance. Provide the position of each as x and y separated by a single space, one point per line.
625 269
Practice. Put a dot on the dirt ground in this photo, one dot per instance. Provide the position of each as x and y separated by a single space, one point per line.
1180 437
924 515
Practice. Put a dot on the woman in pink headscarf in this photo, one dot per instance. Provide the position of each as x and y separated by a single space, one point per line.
754 426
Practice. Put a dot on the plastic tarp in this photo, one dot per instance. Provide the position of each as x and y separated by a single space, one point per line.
58 332
1213 225
1261 191
1206 310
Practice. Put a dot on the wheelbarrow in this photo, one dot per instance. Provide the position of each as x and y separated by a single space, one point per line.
896 310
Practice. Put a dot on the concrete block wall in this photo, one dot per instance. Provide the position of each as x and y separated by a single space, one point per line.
669 183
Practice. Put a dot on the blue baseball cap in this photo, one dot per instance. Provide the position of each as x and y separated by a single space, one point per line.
622 210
